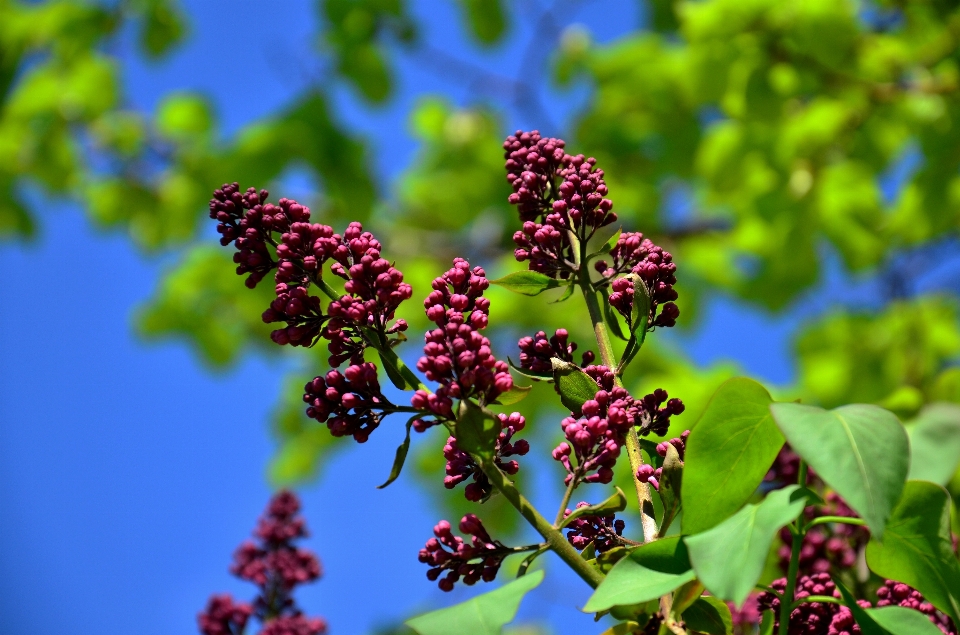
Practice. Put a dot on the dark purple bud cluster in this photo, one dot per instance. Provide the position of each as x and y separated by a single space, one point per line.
655 411
826 548
480 559
375 288
350 402
275 565
546 246
898 594
295 625
461 466
536 351
657 271
223 616
582 195
456 355
647 473
745 618
812 618
603 531
786 469
555 193
595 437
532 164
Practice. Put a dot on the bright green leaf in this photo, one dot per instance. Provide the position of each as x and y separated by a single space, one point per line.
899 620
917 549
935 443
729 451
515 395
477 430
483 615
575 386
616 503
729 558
866 623
647 573
401 455
527 282
710 616
861 451
670 484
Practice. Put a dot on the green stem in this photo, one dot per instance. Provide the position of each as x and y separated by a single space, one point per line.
566 501
554 538
796 542
647 515
837 519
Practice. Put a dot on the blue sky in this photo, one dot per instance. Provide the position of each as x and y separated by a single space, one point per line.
129 472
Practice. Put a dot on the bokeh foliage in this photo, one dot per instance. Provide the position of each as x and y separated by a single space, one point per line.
755 139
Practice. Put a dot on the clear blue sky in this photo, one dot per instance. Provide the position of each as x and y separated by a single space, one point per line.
129 473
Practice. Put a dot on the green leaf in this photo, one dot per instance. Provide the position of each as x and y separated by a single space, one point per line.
729 558
477 430
640 313
861 451
401 456
899 620
650 571
514 395
623 628
575 386
917 549
935 443
529 374
710 616
522 569
610 244
391 364
483 615
766 623
527 282
729 451
867 625
669 491
566 294
613 322
616 503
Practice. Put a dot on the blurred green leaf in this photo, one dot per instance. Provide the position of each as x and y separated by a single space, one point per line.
710 616
935 443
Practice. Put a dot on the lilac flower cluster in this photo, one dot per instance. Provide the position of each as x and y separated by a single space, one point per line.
812 618
536 351
655 411
648 474
223 616
374 287
456 355
461 466
898 594
349 402
275 565
655 267
480 559
555 193
826 548
603 531
595 437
